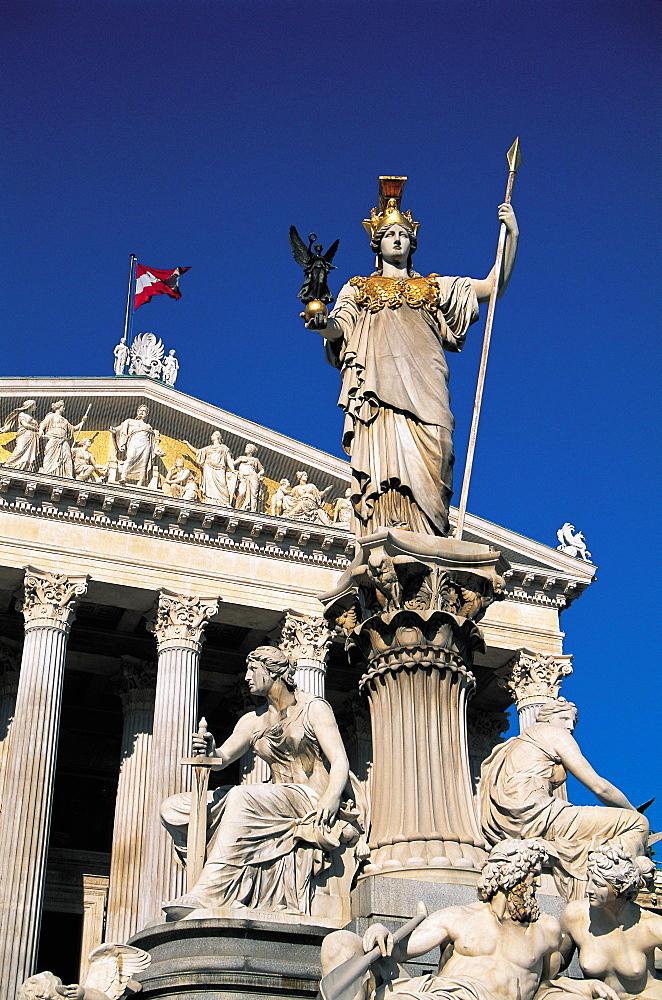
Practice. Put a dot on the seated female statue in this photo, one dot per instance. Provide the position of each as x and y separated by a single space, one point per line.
517 797
615 938
267 841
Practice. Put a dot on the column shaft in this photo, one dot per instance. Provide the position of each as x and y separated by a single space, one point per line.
127 859
28 786
175 718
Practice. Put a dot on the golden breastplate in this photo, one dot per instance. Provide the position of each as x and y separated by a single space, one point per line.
376 292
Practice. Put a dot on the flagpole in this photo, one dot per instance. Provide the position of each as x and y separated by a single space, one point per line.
128 316
514 159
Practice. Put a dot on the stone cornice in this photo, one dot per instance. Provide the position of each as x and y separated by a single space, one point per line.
144 512
49 600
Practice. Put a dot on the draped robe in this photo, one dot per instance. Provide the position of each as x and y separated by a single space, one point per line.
398 423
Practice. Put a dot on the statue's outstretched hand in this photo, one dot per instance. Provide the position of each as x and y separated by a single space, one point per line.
507 216
378 936
316 322
72 992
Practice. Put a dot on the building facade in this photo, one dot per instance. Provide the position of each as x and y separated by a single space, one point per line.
131 590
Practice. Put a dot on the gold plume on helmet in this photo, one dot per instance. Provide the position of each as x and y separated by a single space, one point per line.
388 211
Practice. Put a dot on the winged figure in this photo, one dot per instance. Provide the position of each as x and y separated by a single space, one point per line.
316 266
110 976
572 544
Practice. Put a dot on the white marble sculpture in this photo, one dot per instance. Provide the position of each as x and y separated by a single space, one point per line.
263 839
280 501
110 976
58 436
249 480
498 948
572 543
177 478
121 354
170 369
191 488
137 446
85 465
25 454
517 798
146 355
218 470
615 939
343 510
387 335
305 501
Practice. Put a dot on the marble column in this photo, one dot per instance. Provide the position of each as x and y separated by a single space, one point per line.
10 659
48 604
177 623
305 639
253 770
484 731
135 685
533 679
418 683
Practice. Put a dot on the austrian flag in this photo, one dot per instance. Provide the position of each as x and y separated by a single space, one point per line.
150 282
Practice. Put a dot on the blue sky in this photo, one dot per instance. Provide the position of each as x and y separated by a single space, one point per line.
195 133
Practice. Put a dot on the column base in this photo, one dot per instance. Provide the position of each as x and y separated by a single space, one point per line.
229 958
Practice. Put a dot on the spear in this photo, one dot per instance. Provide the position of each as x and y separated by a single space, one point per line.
514 160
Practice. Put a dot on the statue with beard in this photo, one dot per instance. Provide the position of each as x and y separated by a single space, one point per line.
501 945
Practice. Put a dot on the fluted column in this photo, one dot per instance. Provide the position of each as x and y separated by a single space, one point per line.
484 731
418 684
305 639
9 673
177 623
48 604
135 685
533 679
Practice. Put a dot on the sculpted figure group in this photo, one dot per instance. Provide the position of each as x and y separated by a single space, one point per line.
53 447
503 947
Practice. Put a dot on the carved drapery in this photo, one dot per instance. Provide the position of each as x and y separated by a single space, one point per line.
135 685
178 624
532 679
48 604
305 639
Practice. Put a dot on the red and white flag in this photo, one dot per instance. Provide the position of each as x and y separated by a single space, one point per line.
150 282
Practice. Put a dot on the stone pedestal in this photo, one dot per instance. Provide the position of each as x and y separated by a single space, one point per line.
409 605
135 686
225 959
48 605
177 623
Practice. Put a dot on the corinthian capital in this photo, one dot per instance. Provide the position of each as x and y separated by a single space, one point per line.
49 600
304 637
10 665
136 683
177 620
532 678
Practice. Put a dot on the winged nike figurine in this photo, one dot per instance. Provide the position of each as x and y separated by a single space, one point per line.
316 266
110 976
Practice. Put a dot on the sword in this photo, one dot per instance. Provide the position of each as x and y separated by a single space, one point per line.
196 841
343 983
